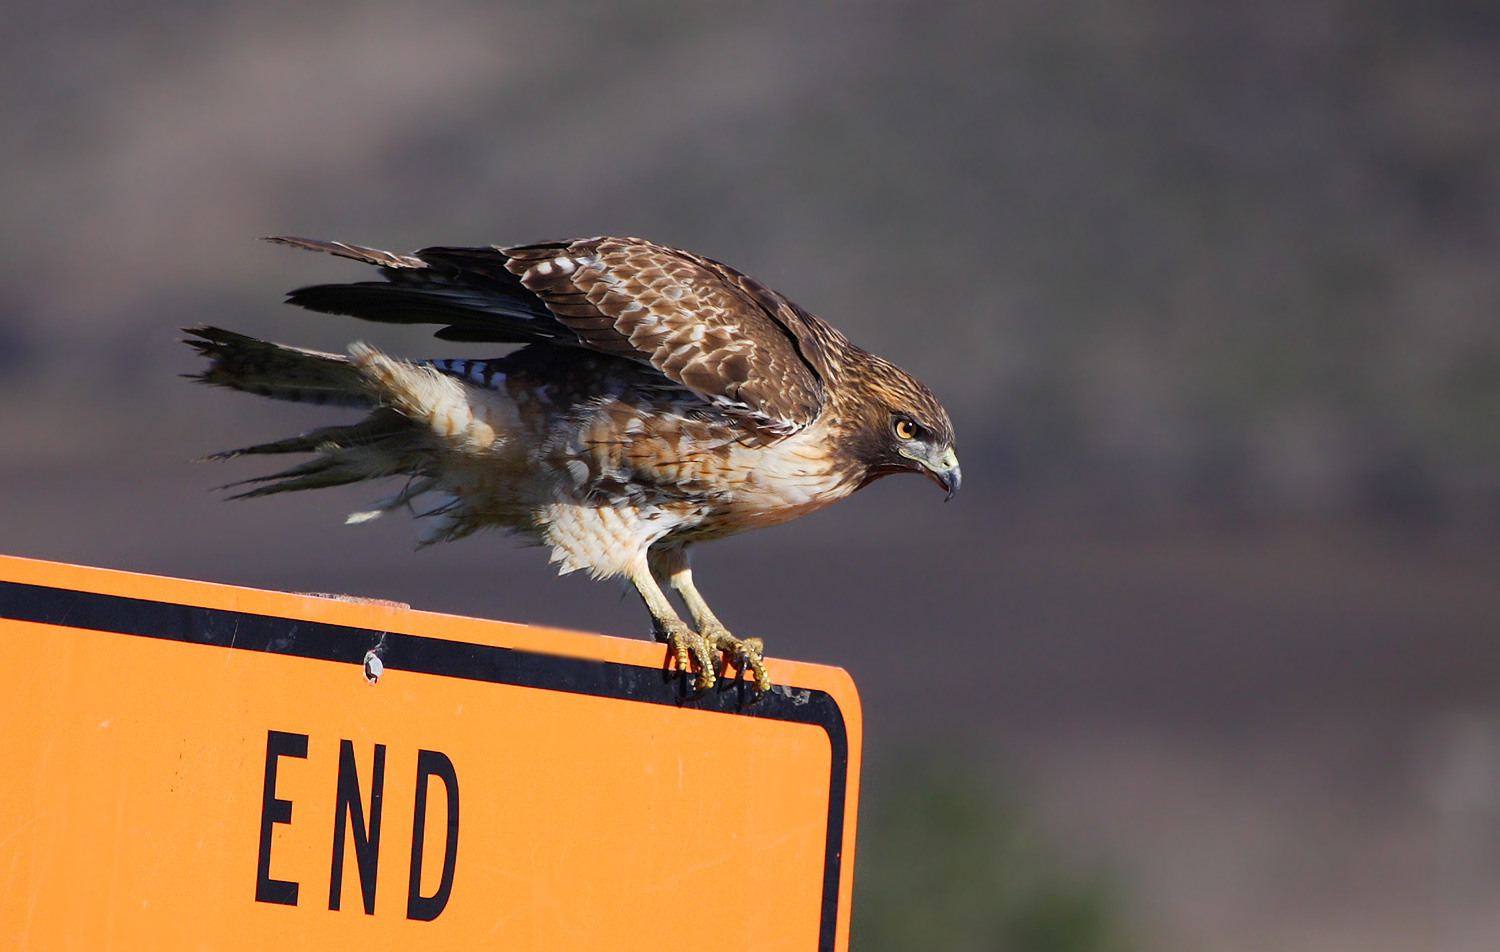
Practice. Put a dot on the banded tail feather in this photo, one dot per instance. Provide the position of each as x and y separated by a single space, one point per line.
278 371
387 442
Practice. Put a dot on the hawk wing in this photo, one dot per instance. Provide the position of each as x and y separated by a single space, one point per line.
701 324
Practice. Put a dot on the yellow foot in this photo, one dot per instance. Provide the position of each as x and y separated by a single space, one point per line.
689 650
741 655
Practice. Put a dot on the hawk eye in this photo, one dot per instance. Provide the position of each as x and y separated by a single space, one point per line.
905 429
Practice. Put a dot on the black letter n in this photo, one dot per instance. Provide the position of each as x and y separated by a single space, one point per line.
366 844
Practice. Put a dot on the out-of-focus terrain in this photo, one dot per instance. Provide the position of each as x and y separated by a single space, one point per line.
1211 292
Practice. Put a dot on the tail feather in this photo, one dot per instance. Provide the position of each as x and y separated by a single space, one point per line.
384 444
333 466
318 473
277 371
380 427
415 412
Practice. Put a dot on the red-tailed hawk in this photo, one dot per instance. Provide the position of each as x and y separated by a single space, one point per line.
661 399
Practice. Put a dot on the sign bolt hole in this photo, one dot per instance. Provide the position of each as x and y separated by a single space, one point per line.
373 666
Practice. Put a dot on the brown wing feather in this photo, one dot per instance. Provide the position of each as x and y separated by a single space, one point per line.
700 323
385 259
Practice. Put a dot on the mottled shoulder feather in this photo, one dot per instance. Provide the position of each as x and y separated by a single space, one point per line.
700 323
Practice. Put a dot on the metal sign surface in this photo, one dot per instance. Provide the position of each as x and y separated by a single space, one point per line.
190 765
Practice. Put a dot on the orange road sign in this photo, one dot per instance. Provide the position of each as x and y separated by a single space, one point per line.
189 765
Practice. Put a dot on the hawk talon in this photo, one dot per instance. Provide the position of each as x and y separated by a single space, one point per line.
689 650
744 655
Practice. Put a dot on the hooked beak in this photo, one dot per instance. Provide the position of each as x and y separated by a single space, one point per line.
945 472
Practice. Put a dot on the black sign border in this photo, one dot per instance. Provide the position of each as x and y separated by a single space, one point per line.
345 644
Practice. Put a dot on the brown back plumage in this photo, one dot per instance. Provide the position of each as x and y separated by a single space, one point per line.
701 324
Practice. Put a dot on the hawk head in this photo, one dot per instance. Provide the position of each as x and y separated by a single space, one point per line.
900 427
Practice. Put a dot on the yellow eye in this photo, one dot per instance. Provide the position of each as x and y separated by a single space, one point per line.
905 429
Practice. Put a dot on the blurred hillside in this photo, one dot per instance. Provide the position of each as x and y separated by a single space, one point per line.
1238 254
1211 290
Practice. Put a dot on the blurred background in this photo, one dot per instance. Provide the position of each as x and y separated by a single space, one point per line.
1206 655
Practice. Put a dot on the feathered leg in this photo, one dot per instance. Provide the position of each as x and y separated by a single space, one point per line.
686 647
670 565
